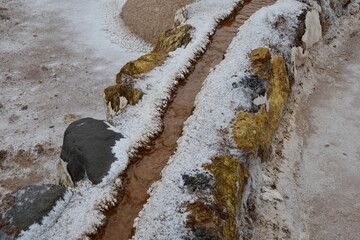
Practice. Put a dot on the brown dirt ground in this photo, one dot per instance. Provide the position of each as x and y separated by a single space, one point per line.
149 18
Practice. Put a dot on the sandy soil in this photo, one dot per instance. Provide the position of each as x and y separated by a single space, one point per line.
55 61
149 18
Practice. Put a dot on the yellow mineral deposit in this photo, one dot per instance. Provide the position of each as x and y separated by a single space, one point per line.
168 41
219 219
230 180
253 132
117 96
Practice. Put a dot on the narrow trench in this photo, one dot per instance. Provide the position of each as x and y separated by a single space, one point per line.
143 172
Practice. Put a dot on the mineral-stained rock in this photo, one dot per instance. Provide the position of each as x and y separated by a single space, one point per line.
114 95
260 55
144 64
202 221
172 39
253 132
168 41
87 148
218 220
26 206
261 58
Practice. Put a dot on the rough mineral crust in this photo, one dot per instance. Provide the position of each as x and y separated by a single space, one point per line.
116 97
313 31
253 132
87 148
26 206
217 220
168 41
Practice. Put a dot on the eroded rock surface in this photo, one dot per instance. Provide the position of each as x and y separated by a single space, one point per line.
26 206
87 149
253 132
168 41
116 97
217 220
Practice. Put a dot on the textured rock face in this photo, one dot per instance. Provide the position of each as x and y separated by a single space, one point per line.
26 206
172 39
116 97
218 220
87 149
168 41
253 132
144 64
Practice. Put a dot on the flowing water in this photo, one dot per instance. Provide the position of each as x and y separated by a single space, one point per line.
143 172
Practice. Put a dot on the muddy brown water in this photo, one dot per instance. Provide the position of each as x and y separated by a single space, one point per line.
143 172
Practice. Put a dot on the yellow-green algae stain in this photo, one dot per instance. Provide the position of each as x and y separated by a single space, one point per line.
168 41
219 219
253 132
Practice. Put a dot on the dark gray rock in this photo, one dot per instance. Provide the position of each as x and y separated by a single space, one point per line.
26 206
201 234
87 149
198 182
254 83
253 86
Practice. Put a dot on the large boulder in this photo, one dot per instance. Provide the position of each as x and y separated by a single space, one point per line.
26 206
87 148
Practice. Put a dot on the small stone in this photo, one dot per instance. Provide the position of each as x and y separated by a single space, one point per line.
71 116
